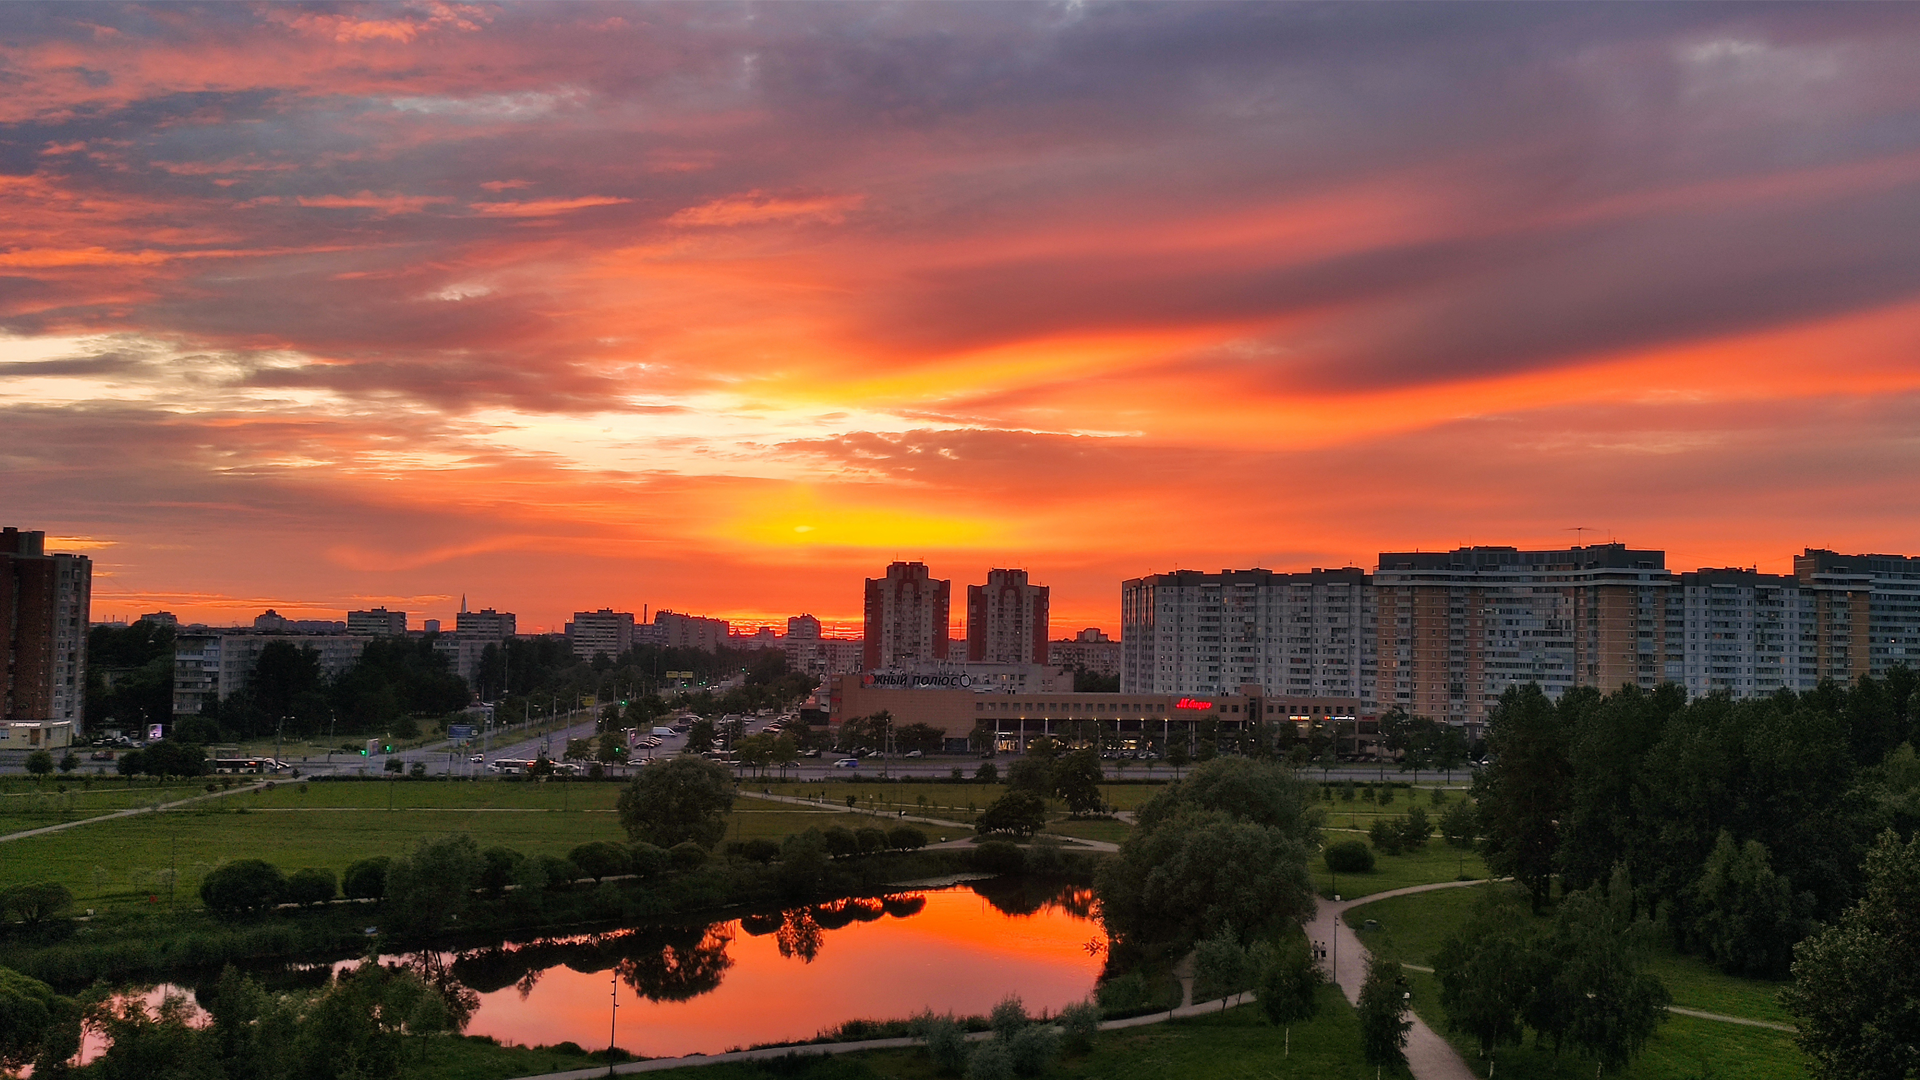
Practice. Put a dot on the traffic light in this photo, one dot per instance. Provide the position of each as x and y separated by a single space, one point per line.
363 753
389 749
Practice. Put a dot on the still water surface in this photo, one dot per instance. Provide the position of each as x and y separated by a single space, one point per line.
789 975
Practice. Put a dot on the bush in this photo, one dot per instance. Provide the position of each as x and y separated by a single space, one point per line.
871 840
760 850
1346 791
1008 1017
1017 813
366 879
1080 1022
499 867
841 842
990 1061
243 887
1386 794
987 773
906 838
999 857
1349 857
601 859
561 873
686 855
647 859
1033 1048
946 1040
312 885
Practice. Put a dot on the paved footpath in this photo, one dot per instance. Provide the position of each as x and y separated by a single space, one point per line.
1429 1056
894 815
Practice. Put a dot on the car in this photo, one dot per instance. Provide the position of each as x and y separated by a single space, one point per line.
847 763
915 753
810 753
477 758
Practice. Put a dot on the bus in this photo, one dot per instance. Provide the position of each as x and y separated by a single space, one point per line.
247 765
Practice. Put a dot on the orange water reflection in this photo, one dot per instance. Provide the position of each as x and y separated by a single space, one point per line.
789 975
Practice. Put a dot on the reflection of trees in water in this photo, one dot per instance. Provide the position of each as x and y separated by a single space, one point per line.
1027 896
680 968
436 970
799 935
670 963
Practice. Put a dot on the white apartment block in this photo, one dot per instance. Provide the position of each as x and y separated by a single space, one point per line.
218 664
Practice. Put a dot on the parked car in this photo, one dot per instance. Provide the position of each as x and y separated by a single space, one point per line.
915 753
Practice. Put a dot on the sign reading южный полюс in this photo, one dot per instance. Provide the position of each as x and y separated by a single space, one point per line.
917 680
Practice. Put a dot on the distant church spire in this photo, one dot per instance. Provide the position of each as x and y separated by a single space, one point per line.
463 603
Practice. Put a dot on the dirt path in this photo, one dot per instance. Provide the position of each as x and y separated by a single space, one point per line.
130 812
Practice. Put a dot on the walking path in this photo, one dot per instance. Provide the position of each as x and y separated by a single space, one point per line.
901 815
129 812
1429 1056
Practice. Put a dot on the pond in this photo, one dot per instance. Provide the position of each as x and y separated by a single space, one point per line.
792 974
770 977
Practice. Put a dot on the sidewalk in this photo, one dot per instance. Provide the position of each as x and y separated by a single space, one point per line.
1429 1056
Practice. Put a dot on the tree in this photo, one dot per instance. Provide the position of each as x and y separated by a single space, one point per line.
1017 813
1522 794
1382 1009
1596 997
680 799
312 885
365 879
40 763
1221 966
1487 971
1076 778
1748 916
700 736
1855 984
432 885
1185 879
34 1023
1287 983
1033 775
173 757
243 887
69 761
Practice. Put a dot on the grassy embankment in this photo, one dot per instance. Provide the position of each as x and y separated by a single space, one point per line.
1412 929
1219 1046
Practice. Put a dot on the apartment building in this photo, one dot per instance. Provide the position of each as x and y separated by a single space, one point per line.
1007 619
214 665
1867 611
379 622
1301 634
906 616
1742 633
45 611
605 632
1090 650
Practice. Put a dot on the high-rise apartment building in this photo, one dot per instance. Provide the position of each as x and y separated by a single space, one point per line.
1007 619
379 622
1742 633
486 623
1458 628
906 616
605 632
45 610
1867 610
803 628
1301 634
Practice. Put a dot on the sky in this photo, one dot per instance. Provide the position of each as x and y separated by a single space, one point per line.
721 308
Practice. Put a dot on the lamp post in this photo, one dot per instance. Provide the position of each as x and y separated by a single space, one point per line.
613 1016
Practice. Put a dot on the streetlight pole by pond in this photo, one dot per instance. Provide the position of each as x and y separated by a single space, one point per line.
613 1016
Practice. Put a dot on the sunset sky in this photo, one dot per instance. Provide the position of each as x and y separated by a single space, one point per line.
723 307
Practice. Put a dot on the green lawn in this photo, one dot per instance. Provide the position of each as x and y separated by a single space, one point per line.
1435 862
1113 832
1412 929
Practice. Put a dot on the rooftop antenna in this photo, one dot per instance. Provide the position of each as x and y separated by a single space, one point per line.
1579 533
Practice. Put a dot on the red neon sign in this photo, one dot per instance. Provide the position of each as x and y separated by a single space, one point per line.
1189 703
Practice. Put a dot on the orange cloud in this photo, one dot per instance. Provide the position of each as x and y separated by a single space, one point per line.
544 207
755 208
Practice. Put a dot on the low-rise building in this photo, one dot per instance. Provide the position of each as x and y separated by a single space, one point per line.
379 622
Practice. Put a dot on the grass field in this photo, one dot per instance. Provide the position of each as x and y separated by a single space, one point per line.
1412 929
1435 862
332 824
